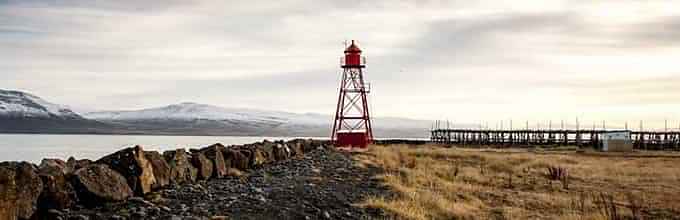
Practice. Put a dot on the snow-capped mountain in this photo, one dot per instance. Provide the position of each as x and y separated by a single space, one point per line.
21 112
200 119
16 104
192 111
208 119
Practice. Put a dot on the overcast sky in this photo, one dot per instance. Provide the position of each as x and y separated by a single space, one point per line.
539 60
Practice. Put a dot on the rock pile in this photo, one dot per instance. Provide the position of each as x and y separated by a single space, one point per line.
55 188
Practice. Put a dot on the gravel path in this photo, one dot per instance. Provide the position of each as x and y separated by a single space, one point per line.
325 184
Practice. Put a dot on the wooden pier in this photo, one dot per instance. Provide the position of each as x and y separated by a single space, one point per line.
648 140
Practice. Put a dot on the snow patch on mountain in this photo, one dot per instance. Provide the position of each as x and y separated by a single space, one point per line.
24 112
21 104
191 111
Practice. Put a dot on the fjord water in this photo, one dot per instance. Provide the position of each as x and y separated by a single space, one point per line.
35 147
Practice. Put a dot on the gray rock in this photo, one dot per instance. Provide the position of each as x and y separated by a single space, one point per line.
72 164
78 217
161 169
296 148
136 199
57 193
215 154
134 166
181 170
53 166
236 159
258 156
203 164
281 152
139 215
154 211
267 149
96 184
20 187
165 209
53 214
173 217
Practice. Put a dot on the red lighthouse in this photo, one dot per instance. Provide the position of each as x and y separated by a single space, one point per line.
352 124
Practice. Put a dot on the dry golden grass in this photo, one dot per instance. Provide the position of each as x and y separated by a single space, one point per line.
454 183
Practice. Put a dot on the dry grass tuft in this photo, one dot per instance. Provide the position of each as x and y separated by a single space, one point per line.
454 183
559 173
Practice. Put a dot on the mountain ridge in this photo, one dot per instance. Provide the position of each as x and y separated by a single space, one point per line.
211 118
22 112
17 104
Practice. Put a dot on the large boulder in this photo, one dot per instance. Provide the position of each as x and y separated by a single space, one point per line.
258 156
57 193
310 145
244 162
161 169
96 184
237 159
134 166
296 148
281 151
52 165
8 193
72 164
20 187
203 164
267 149
181 170
215 154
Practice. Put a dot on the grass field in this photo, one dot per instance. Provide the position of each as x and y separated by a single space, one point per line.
461 183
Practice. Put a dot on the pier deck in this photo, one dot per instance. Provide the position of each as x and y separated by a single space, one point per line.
648 140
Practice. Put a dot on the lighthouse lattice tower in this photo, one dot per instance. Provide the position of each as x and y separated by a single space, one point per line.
352 124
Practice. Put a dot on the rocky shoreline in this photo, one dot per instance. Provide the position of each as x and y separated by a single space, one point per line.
298 179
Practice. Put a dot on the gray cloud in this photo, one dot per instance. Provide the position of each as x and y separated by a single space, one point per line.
644 91
662 33
427 59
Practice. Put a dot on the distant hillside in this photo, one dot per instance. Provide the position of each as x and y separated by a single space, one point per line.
16 104
215 120
21 112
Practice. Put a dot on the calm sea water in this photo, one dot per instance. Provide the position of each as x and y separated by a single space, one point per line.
35 147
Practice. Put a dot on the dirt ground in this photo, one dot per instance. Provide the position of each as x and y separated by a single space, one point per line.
432 182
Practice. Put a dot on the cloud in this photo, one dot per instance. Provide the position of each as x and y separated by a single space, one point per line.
661 33
481 60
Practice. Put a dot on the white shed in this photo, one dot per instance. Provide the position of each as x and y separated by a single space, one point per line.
617 141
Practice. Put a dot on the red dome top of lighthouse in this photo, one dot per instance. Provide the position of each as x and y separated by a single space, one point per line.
353 48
